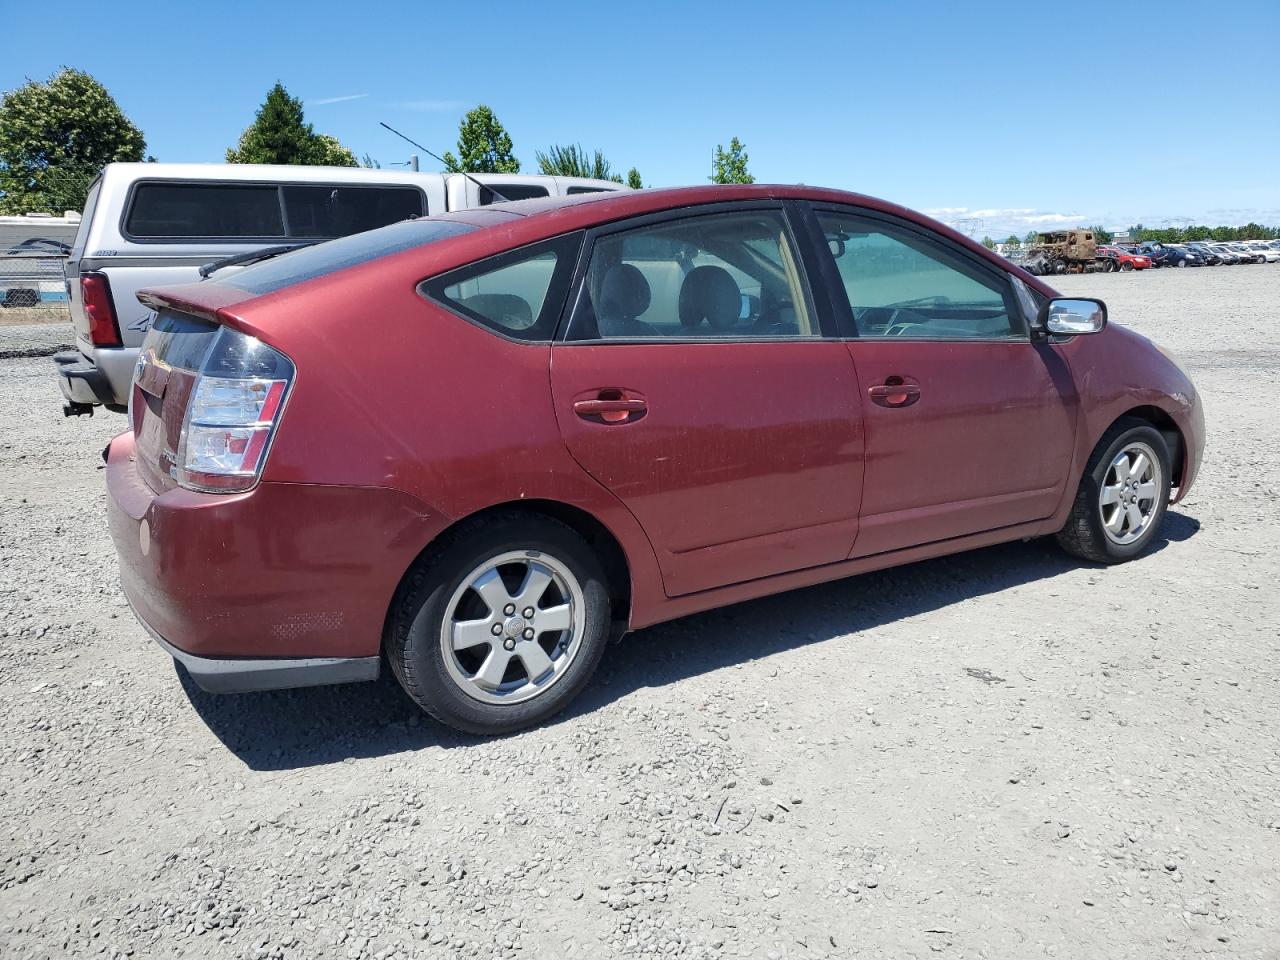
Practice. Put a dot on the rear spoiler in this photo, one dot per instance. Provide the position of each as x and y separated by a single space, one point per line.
208 301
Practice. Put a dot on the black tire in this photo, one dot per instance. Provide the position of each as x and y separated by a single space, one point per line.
416 620
1126 266
1083 535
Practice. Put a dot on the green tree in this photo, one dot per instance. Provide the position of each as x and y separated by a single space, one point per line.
280 134
1030 238
988 243
1012 240
54 139
484 146
730 166
571 161
1102 234
633 179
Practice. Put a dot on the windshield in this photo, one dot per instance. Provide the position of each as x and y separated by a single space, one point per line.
333 255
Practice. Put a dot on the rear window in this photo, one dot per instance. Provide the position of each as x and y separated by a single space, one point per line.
332 255
231 211
511 191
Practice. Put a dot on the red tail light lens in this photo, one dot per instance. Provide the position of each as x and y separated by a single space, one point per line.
95 295
232 414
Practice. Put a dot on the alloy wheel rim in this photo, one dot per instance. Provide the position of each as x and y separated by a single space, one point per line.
513 627
1130 494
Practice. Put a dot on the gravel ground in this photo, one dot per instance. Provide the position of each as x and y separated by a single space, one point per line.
1001 754
41 339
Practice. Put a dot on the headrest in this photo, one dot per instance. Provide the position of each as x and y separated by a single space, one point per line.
710 293
504 309
624 294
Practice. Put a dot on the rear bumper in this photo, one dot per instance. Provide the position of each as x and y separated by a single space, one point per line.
285 585
248 675
103 378
80 379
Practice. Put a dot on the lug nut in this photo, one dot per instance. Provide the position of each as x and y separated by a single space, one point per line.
528 633
508 644
496 629
528 613
509 609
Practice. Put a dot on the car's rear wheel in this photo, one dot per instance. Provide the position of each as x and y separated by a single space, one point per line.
1122 496
500 626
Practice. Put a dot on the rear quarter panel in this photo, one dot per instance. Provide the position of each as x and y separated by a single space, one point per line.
393 391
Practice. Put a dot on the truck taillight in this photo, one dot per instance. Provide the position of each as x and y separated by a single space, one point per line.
232 413
95 296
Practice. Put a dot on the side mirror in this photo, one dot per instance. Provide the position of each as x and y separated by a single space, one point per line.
1071 318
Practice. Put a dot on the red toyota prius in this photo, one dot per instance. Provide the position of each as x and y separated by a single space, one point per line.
481 444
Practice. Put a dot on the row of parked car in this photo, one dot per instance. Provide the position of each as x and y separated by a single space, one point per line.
1197 253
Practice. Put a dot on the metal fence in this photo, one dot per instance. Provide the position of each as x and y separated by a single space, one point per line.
32 280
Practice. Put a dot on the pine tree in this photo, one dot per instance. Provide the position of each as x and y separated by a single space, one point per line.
280 134
633 179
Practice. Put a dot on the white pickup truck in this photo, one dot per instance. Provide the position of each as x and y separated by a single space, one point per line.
152 224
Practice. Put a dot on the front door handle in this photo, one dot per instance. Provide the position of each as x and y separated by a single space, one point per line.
894 392
611 407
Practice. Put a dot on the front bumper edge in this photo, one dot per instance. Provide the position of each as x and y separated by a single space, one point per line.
250 674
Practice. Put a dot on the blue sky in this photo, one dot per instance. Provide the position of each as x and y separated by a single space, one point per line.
1020 115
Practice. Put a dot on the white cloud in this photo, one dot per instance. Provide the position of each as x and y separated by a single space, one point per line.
1005 220
431 106
324 101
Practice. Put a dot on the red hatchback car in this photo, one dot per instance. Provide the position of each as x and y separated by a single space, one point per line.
479 445
1123 259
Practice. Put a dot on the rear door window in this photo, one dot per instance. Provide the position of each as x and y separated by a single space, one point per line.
732 276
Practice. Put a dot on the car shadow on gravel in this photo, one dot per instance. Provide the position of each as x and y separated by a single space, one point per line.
290 729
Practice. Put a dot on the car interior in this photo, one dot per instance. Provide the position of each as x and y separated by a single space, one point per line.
903 285
723 276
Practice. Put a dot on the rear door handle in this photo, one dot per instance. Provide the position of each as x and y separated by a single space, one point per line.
611 409
894 393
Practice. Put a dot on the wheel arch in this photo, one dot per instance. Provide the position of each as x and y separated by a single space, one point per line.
1167 428
606 546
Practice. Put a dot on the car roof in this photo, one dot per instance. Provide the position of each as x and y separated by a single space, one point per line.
531 220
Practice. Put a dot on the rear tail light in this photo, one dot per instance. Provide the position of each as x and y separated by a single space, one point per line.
95 295
232 413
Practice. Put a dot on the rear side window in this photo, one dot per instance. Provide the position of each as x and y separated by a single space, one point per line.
518 294
231 211
172 210
511 191
332 255
572 190
338 211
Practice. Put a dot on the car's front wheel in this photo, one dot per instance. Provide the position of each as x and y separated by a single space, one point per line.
1122 496
502 625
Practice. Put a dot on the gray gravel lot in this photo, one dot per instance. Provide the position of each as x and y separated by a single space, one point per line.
1001 754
